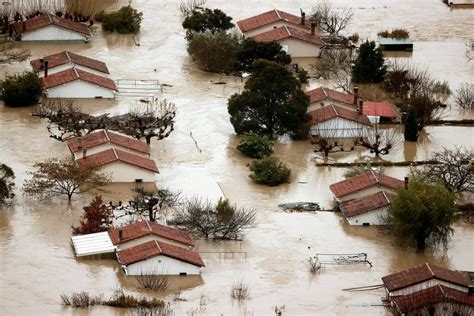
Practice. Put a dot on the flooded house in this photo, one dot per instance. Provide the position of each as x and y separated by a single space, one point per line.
365 184
93 246
101 140
270 20
123 166
49 27
323 96
65 60
368 210
159 258
378 112
396 44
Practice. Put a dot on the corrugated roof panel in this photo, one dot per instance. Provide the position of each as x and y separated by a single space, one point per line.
92 244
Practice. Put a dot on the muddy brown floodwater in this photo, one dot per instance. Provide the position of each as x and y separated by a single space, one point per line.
36 260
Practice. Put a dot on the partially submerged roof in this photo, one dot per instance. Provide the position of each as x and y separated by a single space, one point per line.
46 20
381 109
270 17
104 137
284 32
74 74
322 93
363 181
332 111
66 57
366 204
394 41
421 273
429 296
112 155
92 244
145 228
155 248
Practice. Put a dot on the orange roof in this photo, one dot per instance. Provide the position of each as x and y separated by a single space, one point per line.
45 20
112 155
270 17
432 295
155 248
284 32
103 137
145 228
363 181
322 93
378 109
66 57
366 204
332 111
73 74
421 273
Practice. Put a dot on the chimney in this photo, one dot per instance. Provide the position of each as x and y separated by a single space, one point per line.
356 95
313 28
120 231
406 183
84 152
23 26
45 66
360 109
303 18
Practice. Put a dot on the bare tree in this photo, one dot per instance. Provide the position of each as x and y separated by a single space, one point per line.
330 138
335 63
153 282
54 177
379 141
464 97
240 291
314 264
186 7
10 54
330 19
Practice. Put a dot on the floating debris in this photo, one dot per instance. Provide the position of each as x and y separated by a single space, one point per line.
300 207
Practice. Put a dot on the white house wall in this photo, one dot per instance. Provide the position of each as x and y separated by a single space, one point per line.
426 284
123 172
53 33
145 239
372 218
440 309
69 66
368 191
298 48
97 149
162 265
79 90
270 27
339 128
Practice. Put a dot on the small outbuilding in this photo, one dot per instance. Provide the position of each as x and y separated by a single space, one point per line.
66 60
378 112
159 258
97 245
368 210
396 44
49 27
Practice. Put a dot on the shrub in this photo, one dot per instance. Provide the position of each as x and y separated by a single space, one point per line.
354 37
255 146
441 87
124 21
464 97
251 50
303 76
7 184
97 218
153 282
21 90
396 33
240 291
270 171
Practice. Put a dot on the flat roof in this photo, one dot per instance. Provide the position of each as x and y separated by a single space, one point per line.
394 41
92 244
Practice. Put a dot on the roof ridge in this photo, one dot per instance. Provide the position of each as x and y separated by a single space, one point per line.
287 30
429 268
68 57
334 109
77 74
148 225
115 153
324 91
278 14
106 132
49 18
157 245
385 196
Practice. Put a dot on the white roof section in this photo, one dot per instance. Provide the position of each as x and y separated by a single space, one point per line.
92 244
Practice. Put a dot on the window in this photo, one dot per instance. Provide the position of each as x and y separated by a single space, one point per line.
284 48
365 224
138 180
183 273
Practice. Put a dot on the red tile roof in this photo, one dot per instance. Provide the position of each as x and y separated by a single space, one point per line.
284 32
66 57
432 295
322 93
73 74
45 20
332 111
270 17
423 273
103 137
366 204
378 109
155 248
363 181
112 155
145 228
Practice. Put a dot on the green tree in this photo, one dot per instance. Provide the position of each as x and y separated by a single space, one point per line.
255 146
423 214
207 20
21 90
251 50
124 21
411 127
6 183
369 66
270 171
271 104
214 52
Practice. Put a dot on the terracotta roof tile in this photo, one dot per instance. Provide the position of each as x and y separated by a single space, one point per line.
332 111
103 137
432 295
144 228
280 33
111 155
73 74
378 109
269 17
322 93
155 248
66 57
420 274
45 20
366 204
363 181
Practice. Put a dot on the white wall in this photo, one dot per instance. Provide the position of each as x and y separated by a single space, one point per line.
425 285
372 218
106 146
70 65
270 27
53 33
339 128
368 191
150 237
79 90
162 265
123 172
298 48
